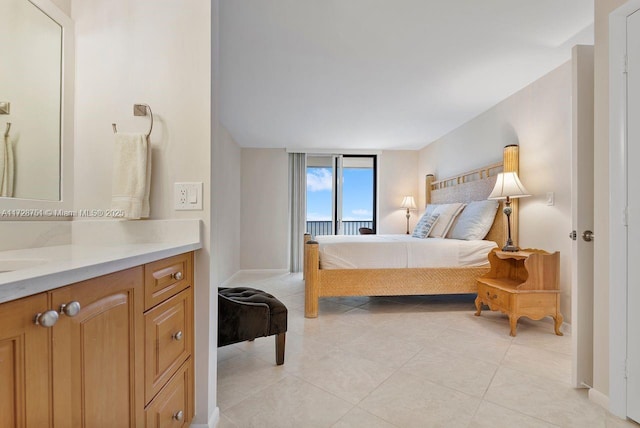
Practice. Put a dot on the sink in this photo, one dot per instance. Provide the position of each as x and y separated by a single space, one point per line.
9 265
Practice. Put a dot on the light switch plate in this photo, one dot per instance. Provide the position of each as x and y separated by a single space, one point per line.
188 196
550 198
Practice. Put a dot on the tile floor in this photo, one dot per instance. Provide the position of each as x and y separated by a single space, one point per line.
401 362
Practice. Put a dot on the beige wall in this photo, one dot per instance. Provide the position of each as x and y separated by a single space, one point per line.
538 118
601 195
264 217
227 205
63 5
397 178
157 53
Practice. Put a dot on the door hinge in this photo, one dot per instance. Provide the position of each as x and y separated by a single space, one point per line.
625 64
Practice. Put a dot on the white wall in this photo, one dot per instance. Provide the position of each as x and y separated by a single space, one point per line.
538 118
157 53
264 215
397 172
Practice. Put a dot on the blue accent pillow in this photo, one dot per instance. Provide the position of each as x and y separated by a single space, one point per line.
424 226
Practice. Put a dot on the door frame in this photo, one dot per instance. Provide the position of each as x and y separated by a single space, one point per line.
338 197
617 208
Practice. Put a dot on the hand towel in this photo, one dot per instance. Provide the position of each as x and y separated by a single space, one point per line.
6 167
131 175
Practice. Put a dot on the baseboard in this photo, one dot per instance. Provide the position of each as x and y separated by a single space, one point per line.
214 420
599 398
274 272
230 279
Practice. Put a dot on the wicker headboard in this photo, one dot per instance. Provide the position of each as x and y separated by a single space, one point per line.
476 185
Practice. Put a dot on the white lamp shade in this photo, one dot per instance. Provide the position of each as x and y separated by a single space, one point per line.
409 203
508 185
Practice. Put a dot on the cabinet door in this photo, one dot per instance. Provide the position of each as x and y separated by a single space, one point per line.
98 354
24 364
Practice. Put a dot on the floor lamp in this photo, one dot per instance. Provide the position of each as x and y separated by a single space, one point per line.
508 186
410 204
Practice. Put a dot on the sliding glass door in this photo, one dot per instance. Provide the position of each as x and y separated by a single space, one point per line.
341 194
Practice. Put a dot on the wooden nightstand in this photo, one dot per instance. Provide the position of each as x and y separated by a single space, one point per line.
522 283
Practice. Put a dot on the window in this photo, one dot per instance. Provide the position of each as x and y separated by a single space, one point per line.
341 194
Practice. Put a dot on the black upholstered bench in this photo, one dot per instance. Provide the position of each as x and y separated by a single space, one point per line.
246 313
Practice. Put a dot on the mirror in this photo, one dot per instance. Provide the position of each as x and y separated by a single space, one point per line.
35 99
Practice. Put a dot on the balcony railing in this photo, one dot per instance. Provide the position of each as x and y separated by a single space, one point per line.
324 227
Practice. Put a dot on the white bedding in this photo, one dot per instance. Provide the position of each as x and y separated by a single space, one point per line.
399 251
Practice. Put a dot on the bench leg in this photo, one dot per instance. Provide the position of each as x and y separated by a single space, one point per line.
280 348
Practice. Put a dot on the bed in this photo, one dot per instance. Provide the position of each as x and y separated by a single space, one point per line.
466 187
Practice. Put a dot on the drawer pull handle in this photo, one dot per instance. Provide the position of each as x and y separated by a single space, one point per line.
495 296
178 336
177 275
70 309
46 319
178 416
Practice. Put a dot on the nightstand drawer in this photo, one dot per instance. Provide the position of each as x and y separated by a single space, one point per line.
167 277
173 407
494 296
168 340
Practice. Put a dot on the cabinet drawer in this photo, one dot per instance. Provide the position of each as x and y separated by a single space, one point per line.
168 340
173 407
166 278
494 296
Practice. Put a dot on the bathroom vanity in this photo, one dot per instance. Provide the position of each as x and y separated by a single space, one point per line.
112 349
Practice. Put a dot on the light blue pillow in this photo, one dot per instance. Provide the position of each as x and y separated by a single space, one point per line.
424 226
475 220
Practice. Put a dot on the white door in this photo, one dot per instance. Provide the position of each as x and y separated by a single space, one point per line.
633 228
582 217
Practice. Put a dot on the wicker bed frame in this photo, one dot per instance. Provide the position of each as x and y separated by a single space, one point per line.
469 186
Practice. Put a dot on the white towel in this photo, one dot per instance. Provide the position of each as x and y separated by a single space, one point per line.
6 167
131 175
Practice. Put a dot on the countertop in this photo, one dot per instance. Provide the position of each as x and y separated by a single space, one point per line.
45 268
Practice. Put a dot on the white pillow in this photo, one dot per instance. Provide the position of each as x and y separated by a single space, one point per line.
447 213
475 220
429 210
424 226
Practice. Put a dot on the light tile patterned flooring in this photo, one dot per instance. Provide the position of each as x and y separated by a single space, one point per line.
401 362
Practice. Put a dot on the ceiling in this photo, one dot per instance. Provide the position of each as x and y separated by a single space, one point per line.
382 74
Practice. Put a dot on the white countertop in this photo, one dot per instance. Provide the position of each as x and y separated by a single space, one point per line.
45 268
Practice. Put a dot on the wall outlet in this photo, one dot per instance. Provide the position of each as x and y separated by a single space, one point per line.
187 196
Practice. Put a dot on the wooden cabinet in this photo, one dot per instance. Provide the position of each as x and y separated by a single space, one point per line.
97 353
171 407
522 283
25 377
169 342
103 361
166 278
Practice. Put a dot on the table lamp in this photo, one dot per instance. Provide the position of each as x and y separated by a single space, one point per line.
410 204
508 186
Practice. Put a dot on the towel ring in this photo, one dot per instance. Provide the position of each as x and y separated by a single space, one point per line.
139 110
6 132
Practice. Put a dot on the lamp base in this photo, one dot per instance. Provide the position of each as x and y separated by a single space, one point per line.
510 248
